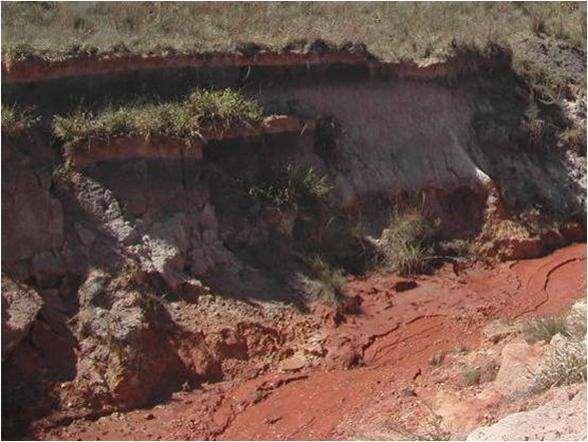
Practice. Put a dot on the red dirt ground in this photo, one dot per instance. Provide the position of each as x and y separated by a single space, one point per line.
387 344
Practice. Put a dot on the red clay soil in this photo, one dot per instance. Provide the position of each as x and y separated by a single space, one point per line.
382 348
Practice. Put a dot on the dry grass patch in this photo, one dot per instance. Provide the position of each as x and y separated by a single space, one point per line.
326 282
405 246
566 363
471 376
390 30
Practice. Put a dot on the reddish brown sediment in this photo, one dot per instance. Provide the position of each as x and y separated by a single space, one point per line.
394 337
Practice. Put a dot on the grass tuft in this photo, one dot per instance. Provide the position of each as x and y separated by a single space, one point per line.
471 376
295 187
213 110
405 244
543 329
326 283
16 120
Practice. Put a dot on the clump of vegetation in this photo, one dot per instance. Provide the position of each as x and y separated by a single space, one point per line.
566 365
471 376
203 109
325 283
16 120
295 187
405 245
543 329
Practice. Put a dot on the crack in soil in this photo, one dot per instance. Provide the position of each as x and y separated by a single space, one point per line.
546 278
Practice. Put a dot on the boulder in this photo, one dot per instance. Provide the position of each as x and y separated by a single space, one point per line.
127 356
519 361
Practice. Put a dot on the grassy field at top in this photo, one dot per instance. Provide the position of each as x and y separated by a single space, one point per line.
390 30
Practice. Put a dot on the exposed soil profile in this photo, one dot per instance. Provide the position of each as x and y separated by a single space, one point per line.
297 240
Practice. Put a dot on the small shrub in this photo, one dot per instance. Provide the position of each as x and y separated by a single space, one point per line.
543 329
471 376
574 138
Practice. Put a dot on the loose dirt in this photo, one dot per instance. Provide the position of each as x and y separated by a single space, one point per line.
374 353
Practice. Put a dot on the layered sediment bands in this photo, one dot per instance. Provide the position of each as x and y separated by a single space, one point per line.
57 84
97 150
38 69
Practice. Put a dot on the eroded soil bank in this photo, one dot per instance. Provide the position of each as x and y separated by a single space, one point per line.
182 273
379 361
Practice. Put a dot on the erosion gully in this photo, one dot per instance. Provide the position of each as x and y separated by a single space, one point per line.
393 336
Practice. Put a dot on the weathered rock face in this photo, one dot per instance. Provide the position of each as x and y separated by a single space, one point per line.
564 418
20 306
394 137
32 218
517 367
126 354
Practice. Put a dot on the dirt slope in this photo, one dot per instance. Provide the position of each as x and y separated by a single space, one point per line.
387 347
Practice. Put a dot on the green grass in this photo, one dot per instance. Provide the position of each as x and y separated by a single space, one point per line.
218 110
16 120
390 30
295 187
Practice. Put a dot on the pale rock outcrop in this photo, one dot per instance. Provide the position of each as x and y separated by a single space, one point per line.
519 362
563 418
